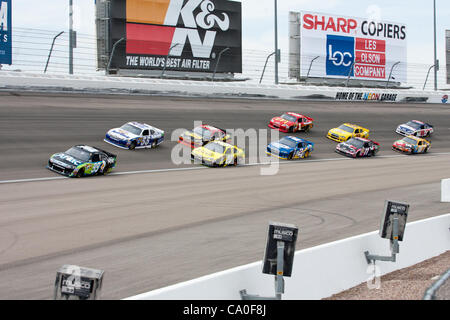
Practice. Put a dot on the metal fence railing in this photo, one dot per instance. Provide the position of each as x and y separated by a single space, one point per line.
440 290
31 49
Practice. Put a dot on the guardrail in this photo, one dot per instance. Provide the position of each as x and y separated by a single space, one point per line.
101 84
318 272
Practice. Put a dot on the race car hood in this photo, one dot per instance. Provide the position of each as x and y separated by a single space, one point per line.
120 134
280 146
406 128
402 144
279 121
340 132
346 147
65 160
193 136
205 153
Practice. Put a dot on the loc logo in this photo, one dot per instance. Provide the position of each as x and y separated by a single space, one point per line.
340 55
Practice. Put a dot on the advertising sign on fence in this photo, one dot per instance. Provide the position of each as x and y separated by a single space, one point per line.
5 32
349 46
178 35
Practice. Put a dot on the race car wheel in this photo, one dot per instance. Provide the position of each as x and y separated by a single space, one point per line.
426 150
306 155
290 156
80 173
307 128
235 162
291 129
132 145
153 144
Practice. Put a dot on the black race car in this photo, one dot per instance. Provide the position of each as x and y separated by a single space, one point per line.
81 161
358 147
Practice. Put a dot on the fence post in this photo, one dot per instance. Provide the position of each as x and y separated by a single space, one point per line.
264 70
51 50
390 73
310 65
426 79
218 60
165 62
112 54
350 72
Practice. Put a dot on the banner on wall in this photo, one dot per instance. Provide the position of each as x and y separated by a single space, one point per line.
5 32
177 35
351 46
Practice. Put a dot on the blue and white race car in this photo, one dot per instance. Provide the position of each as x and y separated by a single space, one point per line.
290 148
135 135
415 128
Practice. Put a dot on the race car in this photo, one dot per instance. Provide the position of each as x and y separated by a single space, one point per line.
412 145
135 135
291 122
81 161
289 148
202 135
347 131
218 154
415 128
358 147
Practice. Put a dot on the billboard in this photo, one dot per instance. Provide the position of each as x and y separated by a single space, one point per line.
177 35
5 32
350 46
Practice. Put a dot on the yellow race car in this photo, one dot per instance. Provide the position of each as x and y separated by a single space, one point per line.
347 131
218 154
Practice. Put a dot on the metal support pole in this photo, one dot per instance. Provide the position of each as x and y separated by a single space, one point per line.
165 62
435 50
264 70
112 54
70 36
279 280
276 41
51 50
426 79
310 65
349 73
394 246
218 60
390 73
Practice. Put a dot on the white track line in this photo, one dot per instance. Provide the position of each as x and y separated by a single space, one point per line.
203 167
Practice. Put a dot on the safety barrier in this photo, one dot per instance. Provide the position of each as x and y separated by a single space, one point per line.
445 190
318 272
101 84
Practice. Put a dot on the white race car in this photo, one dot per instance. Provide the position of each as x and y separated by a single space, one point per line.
415 128
135 135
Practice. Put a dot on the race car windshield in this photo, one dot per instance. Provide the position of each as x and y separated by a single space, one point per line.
78 154
215 147
288 142
413 124
202 132
288 117
409 140
356 143
134 130
346 128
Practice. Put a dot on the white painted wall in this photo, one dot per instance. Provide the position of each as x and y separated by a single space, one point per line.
318 272
445 190
184 87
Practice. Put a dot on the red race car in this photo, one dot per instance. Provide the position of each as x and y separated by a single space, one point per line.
202 135
291 122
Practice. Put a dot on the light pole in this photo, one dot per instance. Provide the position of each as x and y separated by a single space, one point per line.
276 42
70 36
436 65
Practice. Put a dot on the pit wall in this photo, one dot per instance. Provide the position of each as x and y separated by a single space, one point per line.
445 190
15 81
318 272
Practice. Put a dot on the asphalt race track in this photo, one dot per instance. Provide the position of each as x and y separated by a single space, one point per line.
152 229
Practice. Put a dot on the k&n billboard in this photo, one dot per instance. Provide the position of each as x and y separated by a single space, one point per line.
180 35
5 31
358 47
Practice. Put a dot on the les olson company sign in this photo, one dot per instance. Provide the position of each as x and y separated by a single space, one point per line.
357 47
5 31
182 35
